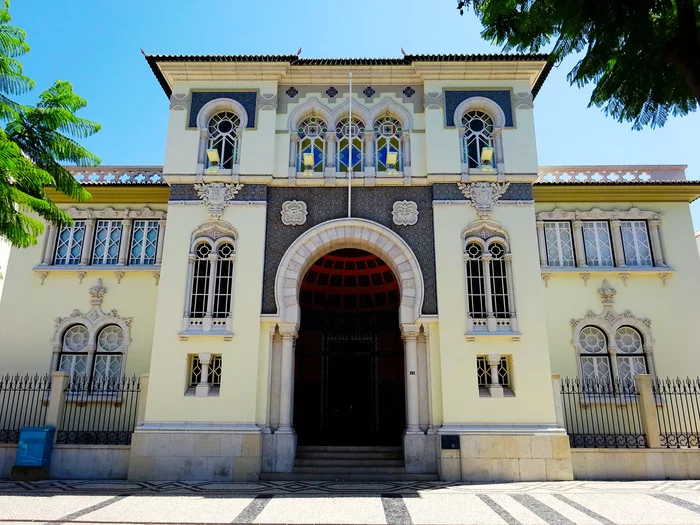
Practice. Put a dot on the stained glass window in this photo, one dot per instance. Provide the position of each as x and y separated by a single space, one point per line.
312 139
387 132
350 152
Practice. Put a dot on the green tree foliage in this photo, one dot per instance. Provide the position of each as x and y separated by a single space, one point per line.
642 55
36 139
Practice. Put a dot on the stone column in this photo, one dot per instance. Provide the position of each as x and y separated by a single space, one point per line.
508 258
50 246
330 149
612 352
203 387
406 154
125 242
90 360
647 410
369 138
578 244
617 243
656 243
498 150
188 292
289 335
463 154
208 317
293 149
490 318
542 243
161 241
55 356
495 388
86 252
410 337
202 152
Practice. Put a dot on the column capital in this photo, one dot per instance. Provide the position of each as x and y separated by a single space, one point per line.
294 136
578 223
486 257
331 136
539 225
369 134
410 331
288 331
494 359
204 358
405 135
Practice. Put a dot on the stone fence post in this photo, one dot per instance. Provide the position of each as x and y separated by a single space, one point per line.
54 412
647 410
143 395
558 406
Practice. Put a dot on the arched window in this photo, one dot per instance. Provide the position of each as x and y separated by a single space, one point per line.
630 357
489 282
345 132
312 141
387 132
224 138
595 361
108 358
477 134
210 280
74 352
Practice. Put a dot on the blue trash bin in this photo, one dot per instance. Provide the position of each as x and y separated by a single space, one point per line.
34 447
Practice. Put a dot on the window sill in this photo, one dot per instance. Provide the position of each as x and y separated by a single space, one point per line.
608 269
484 392
97 267
186 334
81 398
213 392
484 336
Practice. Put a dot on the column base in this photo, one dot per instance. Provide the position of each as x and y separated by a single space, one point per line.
278 450
420 452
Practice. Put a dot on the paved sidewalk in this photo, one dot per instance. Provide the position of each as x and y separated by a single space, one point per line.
566 503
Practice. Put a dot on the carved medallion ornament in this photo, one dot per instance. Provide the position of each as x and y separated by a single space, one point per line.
405 213
217 195
97 293
294 213
483 195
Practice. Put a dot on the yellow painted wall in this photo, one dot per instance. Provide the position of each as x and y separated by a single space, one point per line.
533 401
240 361
28 309
673 309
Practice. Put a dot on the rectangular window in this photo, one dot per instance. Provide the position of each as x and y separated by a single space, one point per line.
75 365
597 244
107 366
595 369
69 244
560 245
107 238
476 294
630 366
214 371
635 243
144 242
483 372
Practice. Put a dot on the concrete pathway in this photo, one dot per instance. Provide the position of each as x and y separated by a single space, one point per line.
566 503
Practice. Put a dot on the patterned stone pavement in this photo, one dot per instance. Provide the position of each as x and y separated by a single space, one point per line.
566 503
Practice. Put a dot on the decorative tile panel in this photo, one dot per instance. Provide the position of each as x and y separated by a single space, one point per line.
517 191
375 204
249 192
455 98
248 99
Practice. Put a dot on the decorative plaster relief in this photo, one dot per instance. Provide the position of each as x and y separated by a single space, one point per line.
405 213
267 101
483 195
294 213
523 101
217 195
179 102
434 101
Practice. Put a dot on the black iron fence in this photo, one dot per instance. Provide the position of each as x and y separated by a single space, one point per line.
99 412
678 412
23 403
602 414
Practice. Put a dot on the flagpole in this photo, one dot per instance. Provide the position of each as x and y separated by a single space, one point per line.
350 146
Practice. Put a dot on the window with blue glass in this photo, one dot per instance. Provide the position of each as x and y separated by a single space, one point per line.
312 145
69 244
107 238
351 149
144 243
387 131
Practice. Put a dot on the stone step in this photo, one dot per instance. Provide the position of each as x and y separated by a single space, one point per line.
298 476
347 462
351 455
350 470
348 449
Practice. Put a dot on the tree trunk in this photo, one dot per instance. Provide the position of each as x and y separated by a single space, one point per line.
686 54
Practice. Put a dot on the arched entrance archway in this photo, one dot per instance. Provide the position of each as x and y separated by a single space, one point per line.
349 359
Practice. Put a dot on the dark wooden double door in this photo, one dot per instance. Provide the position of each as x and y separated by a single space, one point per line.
349 387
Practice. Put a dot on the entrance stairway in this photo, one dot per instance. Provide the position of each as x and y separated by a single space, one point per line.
325 463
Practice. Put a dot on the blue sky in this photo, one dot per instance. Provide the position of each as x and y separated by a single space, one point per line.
95 45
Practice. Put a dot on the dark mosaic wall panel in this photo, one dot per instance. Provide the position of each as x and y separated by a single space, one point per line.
249 192
374 204
247 99
517 191
455 98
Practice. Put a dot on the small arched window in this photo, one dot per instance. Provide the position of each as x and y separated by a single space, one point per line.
477 134
74 352
211 278
312 142
350 155
630 356
595 361
109 355
488 275
387 131
224 138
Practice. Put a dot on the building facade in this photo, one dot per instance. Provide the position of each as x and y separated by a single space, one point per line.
277 313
